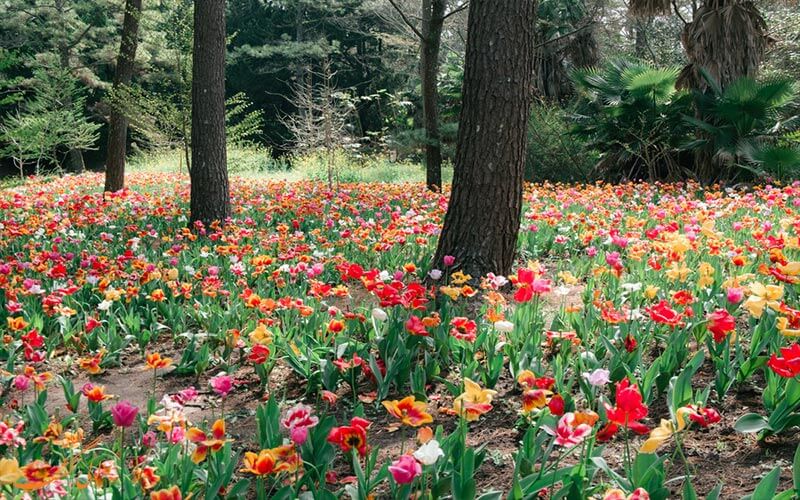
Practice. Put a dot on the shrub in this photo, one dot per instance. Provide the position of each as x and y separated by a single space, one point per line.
746 126
552 153
632 113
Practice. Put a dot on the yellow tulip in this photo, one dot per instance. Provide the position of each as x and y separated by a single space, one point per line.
261 335
790 269
782 324
665 430
651 291
762 296
10 472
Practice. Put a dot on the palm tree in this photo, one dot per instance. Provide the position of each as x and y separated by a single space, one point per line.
727 38
747 126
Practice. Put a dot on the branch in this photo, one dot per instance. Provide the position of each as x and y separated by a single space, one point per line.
456 10
406 20
678 12
565 35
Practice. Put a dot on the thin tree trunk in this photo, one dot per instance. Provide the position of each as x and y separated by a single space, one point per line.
74 158
432 23
118 122
210 198
483 217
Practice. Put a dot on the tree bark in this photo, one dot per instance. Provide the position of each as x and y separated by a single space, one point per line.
432 22
483 217
210 198
123 74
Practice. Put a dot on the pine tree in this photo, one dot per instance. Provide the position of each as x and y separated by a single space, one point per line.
210 197
483 217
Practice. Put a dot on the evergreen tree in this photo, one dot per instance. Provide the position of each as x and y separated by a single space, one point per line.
210 197
482 220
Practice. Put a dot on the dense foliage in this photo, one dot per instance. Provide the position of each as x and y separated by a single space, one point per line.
278 48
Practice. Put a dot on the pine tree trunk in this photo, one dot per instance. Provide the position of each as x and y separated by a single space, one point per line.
74 162
118 123
482 221
432 23
210 199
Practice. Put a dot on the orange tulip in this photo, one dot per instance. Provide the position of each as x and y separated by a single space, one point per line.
204 442
409 411
155 361
173 493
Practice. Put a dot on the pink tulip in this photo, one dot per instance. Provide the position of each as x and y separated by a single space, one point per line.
735 295
176 435
124 413
222 384
449 260
567 433
298 421
405 469
22 383
185 396
149 439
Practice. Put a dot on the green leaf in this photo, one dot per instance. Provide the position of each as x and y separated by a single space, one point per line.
767 486
751 422
688 490
714 494
796 470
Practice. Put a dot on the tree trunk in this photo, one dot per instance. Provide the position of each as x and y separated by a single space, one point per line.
432 23
640 38
74 158
483 217
74 161
118 123
210 199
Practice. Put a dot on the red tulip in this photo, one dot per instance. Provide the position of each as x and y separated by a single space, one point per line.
720 323
629 408
788 365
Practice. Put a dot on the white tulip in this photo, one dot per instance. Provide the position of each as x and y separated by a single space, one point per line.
379 314
503 326
429 453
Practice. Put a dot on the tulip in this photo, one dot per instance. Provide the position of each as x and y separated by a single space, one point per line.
735 295
22 383
405 469
222 384
379 314
503 326
429 453
298 421
351 437
409 411
474 401
720 323
124 413
568 432
598 377
788 365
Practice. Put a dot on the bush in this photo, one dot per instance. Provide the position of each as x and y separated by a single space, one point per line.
553 154
632 113
747 128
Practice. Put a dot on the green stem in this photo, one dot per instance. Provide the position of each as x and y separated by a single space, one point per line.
122 460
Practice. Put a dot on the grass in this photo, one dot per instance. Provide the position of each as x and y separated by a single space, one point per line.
257 162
